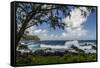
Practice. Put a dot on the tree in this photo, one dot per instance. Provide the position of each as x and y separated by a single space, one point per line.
30 14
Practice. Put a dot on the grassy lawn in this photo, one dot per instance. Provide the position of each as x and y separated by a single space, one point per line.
37 59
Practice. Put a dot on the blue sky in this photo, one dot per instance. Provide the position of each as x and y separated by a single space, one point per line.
91 25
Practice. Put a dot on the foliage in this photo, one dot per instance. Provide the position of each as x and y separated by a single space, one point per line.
30 37
67 58
24 60
23 47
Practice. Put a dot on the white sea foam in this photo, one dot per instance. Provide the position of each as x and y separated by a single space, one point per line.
90 51
85 47
53 46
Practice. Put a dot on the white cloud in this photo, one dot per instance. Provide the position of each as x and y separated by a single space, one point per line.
77 17
38 31
74 28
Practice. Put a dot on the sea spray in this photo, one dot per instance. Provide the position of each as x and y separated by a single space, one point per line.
69 44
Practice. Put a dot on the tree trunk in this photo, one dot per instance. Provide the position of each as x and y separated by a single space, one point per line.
24 25
21 31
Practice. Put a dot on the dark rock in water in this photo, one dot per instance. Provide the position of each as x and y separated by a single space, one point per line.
94 47
77 49
66 51
85 44
48 49
39 52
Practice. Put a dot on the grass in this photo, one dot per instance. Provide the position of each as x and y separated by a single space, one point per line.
37 59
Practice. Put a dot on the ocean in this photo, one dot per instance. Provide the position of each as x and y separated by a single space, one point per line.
86 45
62 42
